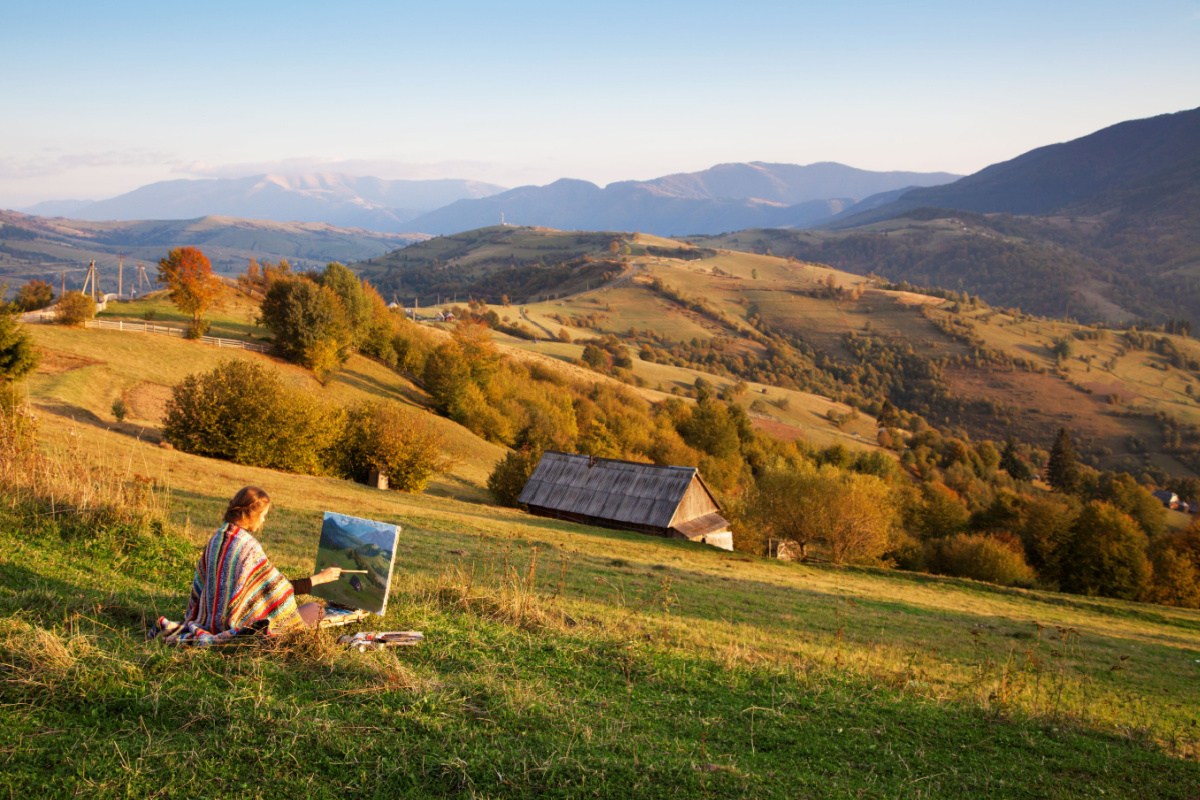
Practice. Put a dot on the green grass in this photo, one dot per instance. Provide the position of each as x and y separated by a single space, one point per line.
626 666
233 316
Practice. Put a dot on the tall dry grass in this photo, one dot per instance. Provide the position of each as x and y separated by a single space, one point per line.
74 483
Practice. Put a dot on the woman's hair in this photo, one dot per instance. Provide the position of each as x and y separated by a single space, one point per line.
247 508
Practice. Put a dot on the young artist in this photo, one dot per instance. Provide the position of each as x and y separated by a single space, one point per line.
237 587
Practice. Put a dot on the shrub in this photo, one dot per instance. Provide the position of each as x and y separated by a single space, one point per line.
242 411
382 436
75 307
511 474
982 558
35 295
119 410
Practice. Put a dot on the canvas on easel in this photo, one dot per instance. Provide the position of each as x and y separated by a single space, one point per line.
366 549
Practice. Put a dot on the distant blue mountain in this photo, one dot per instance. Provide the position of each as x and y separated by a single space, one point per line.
726 197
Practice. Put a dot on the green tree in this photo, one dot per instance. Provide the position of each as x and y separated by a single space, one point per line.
711 429
1012 463
1046 527
191 284
1062 470
446 377
1125 494
356 301
510 475
979 557
1106 554
940 512
18 357
308 322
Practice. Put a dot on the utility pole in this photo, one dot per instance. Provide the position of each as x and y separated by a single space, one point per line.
120 274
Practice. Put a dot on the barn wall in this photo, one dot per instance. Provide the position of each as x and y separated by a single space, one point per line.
696 502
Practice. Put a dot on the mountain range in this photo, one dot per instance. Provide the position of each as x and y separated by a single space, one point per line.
725 197
342 200
1096 174
1103 227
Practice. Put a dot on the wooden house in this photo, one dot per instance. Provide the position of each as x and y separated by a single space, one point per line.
661 501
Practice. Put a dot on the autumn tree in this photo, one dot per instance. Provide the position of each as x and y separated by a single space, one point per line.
190 283
852 514
34 295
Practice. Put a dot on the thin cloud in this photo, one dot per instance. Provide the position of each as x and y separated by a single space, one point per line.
46 167
377 168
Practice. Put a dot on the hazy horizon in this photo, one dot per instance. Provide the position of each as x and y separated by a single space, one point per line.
110 100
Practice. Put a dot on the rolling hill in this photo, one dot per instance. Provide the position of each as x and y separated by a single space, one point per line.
556 655
329 198
40 247
783 324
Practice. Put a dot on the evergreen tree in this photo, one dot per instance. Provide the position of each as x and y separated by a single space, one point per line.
1062 470
1011 463
17 355
888 417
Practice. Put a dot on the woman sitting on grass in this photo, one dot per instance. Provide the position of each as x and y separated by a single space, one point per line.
236 588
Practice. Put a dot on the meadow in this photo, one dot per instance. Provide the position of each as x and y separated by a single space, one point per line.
559 659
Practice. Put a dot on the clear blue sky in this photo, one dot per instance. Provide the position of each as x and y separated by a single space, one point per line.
98 100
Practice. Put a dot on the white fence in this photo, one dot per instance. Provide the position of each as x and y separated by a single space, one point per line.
167 330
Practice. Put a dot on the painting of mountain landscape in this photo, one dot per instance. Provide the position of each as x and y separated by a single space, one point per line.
357 544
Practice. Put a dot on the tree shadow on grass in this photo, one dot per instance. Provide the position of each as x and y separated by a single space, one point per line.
82 416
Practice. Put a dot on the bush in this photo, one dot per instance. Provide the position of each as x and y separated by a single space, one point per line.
982 558
197 329
74 308
242 411
35 295
382 436
119 410
511 474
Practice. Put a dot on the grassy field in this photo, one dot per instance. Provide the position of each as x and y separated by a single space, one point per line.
560 660
233 316
623 665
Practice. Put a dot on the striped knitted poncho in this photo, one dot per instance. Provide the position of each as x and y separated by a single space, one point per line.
235 587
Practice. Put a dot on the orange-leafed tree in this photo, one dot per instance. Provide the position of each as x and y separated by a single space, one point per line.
193 287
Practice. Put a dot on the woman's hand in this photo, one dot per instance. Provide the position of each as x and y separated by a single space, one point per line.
327 575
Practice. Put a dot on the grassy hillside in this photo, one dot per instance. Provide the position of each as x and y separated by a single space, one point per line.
40 247
521 262
559 659
972 367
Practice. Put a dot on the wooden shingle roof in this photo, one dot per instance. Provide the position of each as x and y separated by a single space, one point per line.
605 488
